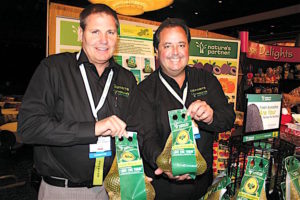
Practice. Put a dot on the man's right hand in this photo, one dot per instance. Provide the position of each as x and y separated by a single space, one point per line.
112 126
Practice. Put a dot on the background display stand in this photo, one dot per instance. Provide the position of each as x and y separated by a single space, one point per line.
263 141
274 149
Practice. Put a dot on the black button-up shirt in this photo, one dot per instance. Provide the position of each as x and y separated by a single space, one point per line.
56 116
156 101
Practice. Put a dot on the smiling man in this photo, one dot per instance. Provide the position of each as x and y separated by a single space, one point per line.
174 85
72 102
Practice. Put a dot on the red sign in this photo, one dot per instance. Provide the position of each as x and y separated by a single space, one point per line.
244 37
273 53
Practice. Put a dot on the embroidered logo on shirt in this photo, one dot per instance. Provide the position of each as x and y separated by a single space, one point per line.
198 92
121 90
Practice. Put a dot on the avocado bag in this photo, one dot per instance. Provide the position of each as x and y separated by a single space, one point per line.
292 167
180 154
126 179
217 190
183 157
253 182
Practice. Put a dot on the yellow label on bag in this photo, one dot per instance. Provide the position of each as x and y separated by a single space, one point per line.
98 171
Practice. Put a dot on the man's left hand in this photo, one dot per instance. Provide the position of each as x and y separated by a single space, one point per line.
183 177
201 111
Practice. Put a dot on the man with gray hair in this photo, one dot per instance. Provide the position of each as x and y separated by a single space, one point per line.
74 107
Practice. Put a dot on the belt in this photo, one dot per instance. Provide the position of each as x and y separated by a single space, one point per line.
61 182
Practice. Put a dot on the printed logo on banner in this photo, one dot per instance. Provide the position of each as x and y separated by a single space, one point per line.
213 48
251 186
69 33
127 156
129 30
183 137
273 53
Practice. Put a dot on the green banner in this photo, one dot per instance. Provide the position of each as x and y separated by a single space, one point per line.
183 157
274 134
213 48
263 98
131 170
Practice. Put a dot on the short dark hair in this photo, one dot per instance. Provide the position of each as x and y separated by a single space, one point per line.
97 8
168 23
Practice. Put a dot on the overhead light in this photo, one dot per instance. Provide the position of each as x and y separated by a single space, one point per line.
220 1
272 33
272 26
134 7
196 13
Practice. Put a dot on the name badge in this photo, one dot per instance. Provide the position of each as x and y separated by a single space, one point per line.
101 148
196 130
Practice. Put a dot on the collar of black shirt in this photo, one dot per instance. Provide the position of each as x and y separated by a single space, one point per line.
173 83
83 59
